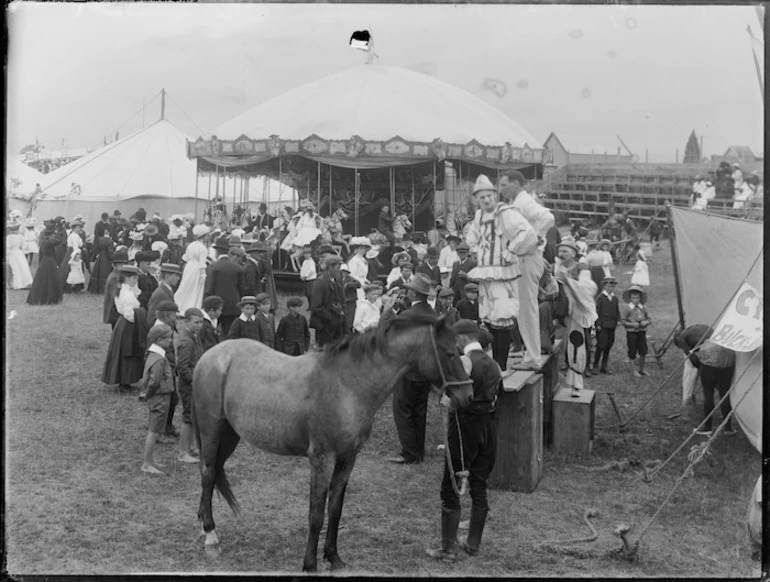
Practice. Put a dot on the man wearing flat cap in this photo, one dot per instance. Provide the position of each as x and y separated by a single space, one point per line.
170 274
530 264
147 282
327 314
410 399
499 234
224 278
459 276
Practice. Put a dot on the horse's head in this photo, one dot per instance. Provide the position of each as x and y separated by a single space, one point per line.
444 366
341 214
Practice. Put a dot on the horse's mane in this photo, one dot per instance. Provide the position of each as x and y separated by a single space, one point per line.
374 340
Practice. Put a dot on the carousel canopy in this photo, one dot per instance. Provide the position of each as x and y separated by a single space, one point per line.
373 116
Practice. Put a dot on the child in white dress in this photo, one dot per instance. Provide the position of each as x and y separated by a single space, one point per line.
76 279
641 275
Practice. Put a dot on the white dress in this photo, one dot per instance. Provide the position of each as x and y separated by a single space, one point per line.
641 275
76 276
14 251
127 300
190 290
307 230
359 270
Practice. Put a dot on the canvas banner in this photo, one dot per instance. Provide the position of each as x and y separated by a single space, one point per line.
740 328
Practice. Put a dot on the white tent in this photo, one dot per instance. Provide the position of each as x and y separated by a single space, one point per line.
20 179
148 169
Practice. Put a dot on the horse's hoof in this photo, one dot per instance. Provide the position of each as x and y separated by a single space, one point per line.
309 569
213 550
338 565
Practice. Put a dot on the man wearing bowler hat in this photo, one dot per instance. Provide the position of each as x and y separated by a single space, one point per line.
147 282
429 267
327 315
170 274
252 270
224 278
530 264
410 399
459 276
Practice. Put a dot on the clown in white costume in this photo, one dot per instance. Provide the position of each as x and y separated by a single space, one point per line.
575 279
497 234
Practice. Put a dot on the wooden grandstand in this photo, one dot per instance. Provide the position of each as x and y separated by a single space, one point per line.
591 192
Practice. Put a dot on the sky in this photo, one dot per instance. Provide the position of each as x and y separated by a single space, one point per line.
649 74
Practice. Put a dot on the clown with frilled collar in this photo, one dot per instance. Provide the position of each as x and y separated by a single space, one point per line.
497 234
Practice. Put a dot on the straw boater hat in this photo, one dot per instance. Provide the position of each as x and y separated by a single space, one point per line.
234 240
151 230
360 241
247 300
570 245
636 288
604 241
200 230
128 269
402 256
239 232
420 283
372 253
482 184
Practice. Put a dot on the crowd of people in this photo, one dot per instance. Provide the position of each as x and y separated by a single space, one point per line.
727 183
507 283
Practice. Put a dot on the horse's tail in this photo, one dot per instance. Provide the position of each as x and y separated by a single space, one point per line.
223 486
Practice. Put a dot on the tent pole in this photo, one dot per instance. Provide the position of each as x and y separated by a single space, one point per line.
318 179
672 243
197 179
355 193
330 190
413 209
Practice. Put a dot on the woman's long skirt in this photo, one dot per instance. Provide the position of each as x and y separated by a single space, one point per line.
125 356
46 286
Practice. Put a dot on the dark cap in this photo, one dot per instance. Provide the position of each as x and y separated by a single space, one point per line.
333 260
472 287
120 257
157 333
326 249
463 247
170 268
146 256
431 253
294 302
446 293
166 306
466 327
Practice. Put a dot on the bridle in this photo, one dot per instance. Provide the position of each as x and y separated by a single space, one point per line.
444 383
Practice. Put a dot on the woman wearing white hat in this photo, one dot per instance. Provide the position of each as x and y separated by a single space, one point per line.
358 263
190 290
497 234
21 276
30 237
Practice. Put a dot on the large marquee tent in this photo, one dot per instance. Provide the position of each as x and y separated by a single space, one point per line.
368 136
148 169
20 179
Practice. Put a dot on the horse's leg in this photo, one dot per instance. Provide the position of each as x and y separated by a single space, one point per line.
321 468
342 470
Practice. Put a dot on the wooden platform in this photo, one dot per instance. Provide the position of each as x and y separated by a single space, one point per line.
573 422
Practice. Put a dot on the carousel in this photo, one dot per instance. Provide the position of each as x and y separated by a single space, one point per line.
367 142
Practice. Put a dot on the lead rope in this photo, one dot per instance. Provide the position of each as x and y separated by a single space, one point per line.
463 473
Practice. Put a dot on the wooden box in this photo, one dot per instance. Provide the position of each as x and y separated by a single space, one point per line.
573 422
519 426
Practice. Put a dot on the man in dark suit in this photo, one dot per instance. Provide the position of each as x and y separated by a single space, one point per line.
327 315
147 282
170 274
253 270
103 227
406 244
410 399
262 220
459 276
224 278
406 275
429 267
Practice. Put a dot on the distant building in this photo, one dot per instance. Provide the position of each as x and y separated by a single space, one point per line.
45 161
742 155
570 152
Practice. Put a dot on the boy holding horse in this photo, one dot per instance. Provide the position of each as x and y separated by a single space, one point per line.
473 430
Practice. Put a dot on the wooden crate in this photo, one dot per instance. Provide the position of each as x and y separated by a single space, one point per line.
519 426
573 422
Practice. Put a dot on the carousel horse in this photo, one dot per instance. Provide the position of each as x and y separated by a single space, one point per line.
401 225
320 405
331 230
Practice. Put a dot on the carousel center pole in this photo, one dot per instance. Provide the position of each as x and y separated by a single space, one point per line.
356 189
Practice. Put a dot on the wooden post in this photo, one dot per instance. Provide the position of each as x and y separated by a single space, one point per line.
519 419
550 372
674 260
356 194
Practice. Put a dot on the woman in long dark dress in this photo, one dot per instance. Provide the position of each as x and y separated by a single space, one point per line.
124 364
104 249
46 286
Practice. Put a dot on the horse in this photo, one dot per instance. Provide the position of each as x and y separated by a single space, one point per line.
331 229
320 405
401 225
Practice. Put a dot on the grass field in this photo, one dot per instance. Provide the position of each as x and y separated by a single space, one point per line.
77 503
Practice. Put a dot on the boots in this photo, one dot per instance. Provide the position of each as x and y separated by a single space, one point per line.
475 529
450 521
632 369
641 367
